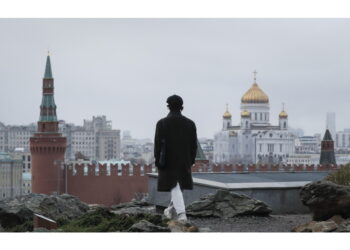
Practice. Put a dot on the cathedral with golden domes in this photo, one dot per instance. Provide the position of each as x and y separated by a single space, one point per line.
254 140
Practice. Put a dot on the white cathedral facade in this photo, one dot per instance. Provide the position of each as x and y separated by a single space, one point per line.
254 140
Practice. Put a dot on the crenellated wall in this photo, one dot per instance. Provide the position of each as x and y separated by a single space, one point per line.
107 185
115 184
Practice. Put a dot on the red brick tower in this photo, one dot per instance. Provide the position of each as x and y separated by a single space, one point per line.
47 146
327 150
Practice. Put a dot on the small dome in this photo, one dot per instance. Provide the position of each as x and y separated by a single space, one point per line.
255 95
227 114
283 114
245 113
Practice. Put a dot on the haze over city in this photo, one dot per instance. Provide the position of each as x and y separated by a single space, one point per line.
126 68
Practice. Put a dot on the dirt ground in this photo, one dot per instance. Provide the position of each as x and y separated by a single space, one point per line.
272 223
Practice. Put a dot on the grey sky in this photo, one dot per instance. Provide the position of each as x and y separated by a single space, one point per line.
126 68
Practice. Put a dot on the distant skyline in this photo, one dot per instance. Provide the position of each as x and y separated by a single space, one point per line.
126 68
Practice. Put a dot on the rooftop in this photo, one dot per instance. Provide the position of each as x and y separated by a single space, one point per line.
261 177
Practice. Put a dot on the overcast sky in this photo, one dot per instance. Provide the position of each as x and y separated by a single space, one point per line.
126 68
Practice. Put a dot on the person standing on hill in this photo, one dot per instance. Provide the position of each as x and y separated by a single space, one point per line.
175 148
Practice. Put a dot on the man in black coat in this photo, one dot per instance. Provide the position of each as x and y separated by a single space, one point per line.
176 138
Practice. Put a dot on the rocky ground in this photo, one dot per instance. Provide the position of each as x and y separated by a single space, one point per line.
272 223
223 211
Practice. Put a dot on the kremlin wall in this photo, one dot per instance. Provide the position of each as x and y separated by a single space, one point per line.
108 185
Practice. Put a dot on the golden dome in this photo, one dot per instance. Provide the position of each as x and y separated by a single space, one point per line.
227 114
255 95
283 114
245 113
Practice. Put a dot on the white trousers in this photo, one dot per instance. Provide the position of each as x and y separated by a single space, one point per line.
177 199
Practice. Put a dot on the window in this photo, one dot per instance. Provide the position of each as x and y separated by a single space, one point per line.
284 125
260 146
281 147
261 116
270 148
256 116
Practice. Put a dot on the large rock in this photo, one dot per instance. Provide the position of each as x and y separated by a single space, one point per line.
326 199
325 226
177 226
146 226
18 210
135 210
133 203
304 227
226 204
317 226
344 226
134 207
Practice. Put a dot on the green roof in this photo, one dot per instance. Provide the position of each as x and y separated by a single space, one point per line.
200 155
327 136
48 101
48 71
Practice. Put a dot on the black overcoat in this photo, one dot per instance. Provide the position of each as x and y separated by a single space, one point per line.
180 137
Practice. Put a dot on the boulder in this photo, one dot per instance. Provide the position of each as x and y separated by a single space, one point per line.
337 219
324 226
227 204
19 210
133 203
177 226
133 207
304 227
146 226
317 226
135 210
326 199
344 226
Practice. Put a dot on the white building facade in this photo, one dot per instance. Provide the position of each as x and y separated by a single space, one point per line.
254 140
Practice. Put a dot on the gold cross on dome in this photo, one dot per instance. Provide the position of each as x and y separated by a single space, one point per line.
283 106
255 75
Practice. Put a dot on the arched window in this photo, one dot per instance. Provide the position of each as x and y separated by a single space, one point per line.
246 124
284 125
256 116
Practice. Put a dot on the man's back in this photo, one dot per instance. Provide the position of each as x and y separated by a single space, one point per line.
179 134
180 139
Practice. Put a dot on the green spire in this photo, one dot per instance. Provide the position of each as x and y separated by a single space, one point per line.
200 154
48 71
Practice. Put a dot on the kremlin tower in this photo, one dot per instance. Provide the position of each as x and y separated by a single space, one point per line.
47 146
327 149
